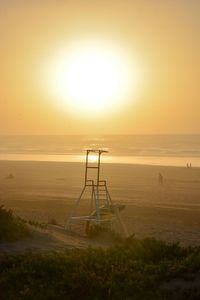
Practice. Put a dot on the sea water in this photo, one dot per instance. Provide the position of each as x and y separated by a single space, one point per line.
166 150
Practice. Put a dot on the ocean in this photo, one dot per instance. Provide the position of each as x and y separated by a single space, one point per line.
166 150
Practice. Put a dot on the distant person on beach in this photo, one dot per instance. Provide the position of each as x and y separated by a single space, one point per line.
10 176
160 179
189 166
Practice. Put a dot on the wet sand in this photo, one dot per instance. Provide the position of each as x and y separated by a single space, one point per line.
42 191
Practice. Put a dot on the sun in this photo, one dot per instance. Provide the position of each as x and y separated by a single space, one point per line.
90 78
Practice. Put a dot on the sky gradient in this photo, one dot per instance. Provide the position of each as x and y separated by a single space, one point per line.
163 36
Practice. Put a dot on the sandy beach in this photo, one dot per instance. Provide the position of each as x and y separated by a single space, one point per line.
42 191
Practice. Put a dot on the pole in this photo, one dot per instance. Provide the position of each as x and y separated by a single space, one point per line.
99 161
86 165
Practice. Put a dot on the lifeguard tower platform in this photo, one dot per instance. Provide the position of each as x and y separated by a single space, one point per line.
102 211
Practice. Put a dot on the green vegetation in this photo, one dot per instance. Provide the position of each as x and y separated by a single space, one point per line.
12 228
35 224
105 233
53 222
132 270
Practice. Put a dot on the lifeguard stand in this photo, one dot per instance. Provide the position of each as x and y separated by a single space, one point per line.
102 211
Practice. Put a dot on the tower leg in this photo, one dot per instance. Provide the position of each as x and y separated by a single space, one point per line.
96 198
109 198
67 226
123 227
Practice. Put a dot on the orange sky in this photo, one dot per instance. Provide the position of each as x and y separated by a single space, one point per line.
163 35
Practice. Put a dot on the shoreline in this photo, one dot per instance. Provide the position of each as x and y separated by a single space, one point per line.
162 161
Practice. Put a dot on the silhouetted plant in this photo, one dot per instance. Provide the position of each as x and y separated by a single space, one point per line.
53 222
100 231
11 227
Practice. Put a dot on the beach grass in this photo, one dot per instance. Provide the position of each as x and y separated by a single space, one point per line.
134 269
12 228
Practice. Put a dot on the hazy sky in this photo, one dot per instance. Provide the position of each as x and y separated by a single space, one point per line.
163 36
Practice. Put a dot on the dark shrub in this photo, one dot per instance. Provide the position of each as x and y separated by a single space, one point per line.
12 228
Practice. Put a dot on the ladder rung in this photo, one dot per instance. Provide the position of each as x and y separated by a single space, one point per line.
92 167
101 194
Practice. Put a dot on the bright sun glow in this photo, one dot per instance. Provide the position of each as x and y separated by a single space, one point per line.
93 158
91 78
